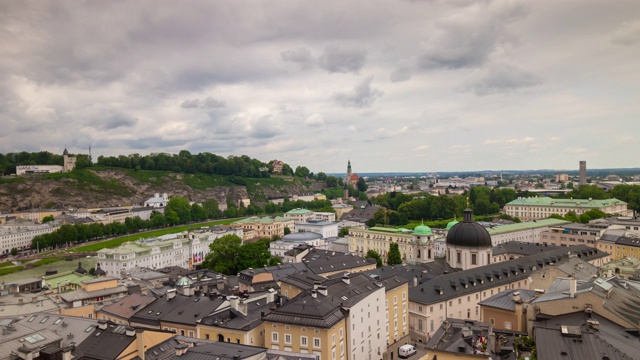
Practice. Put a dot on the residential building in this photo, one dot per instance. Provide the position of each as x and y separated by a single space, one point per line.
266 226
153 253
121 311
570 234
116 341
296 283
241 322
38 169
327 263
343 318
290 241
523 232
562 178
261 279
528 209
505 310
94 292
19 235
177 313
277 166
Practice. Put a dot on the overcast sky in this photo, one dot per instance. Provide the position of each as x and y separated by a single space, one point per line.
392 85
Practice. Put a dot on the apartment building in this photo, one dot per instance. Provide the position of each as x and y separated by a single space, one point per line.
523 232
19 235
528 209
570 234
344 318
325 228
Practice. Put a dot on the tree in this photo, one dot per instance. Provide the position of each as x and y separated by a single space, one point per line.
394 257
223 255
343 232
362 185
14 251
372 254
301 171
47 219
287 231
255 255
181 207
332 181
211 209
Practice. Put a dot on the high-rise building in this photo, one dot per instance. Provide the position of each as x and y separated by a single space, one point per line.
583 172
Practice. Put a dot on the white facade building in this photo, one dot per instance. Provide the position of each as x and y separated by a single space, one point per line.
325 228
181 249
38 169
20 236
523 232
288 242
157 200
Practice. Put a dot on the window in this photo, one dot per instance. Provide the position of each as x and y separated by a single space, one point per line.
474 259
507 325
316 342
333 339
419 308
274 336
287 338
340 331
420 324
303 340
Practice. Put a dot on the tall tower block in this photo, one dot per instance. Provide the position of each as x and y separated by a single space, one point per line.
583 173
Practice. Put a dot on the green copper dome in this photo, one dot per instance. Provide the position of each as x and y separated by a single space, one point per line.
422 230
451 223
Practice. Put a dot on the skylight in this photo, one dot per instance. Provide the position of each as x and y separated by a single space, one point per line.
58 321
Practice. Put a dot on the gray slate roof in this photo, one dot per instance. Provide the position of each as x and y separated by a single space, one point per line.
561 347
449 286
627 342
104 344
520 248
325 311
325 261
128 306
186 310
504 300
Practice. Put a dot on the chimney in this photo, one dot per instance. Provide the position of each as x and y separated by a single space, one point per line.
323 290
130 331
66 351
181 349
609 273
593 324
517 297
573 287
316 284
233 302
220 284
243 307
139 342
345 279
415 281
102 324
314 293
171 293
271 295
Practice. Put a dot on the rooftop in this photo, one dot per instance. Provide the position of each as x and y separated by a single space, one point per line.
503 229
555 202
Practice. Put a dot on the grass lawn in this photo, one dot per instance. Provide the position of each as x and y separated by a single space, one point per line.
9 270
121 240
6 264
45 261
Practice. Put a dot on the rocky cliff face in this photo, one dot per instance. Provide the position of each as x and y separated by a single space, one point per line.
104 188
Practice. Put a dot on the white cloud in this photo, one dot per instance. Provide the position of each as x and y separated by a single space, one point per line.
314 120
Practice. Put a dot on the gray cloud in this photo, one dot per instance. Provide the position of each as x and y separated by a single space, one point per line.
300 56
500 78
100 117
627 34
468 37
208 103
362 95
337 59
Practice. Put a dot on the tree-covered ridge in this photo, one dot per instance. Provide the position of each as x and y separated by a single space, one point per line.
9 161
186 162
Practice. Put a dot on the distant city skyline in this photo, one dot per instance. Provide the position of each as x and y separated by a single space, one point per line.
406 86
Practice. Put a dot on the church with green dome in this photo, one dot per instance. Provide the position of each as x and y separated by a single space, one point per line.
423 243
